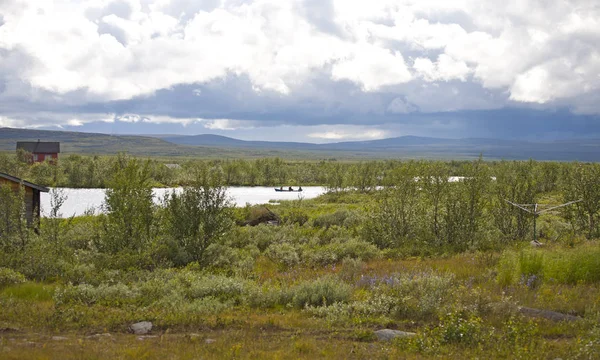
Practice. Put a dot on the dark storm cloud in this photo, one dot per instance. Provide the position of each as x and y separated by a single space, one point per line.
448 69
234 98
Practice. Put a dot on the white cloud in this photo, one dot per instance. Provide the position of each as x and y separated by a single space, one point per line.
8 122
91 51
75 122
446 68
226 124
349 133
130 118
372 67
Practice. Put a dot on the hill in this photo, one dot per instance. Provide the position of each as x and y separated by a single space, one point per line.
422 147
216 146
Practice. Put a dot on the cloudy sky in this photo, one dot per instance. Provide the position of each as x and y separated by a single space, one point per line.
303 70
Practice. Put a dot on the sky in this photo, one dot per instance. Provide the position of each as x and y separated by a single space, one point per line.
303 70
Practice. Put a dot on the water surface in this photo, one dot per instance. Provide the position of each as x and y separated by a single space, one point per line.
80 200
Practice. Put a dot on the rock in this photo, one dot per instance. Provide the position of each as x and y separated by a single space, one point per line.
263 216
144 337
141 328
502 307
100 336
210 341
388 334
59 338
547 314
8 330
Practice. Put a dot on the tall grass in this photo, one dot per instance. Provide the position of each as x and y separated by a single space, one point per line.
563 266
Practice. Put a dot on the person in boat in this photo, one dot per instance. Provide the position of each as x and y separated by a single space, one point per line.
281 188
290 189
300 188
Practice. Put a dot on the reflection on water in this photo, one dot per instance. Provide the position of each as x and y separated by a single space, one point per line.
80 200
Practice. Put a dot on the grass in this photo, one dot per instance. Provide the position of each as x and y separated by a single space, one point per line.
554 265
29 291
283 332
313 287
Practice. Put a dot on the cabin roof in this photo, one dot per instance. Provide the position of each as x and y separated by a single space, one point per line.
25 183
39 147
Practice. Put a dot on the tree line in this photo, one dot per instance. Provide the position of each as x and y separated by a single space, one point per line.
417 209
76 171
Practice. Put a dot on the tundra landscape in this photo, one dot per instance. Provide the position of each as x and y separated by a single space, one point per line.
394 260
299 179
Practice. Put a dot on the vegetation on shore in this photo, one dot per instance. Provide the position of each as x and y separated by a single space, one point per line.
449 261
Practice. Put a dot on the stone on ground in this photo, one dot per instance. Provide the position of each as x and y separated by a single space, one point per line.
141 328
388 334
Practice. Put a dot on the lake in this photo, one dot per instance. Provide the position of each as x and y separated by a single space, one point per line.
80 200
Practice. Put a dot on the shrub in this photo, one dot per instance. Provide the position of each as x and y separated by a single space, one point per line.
351 269
320 292
295 216
104 294
129 206
217 286
589 346
456 327
10 277
520 335
341 249
328 220
176 303
198 218
268 296
417 294
232 260
284 254
377 305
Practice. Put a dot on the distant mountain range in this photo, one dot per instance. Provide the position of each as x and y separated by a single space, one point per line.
419 147
216 146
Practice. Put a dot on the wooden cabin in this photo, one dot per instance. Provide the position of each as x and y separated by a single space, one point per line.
32 194
40 150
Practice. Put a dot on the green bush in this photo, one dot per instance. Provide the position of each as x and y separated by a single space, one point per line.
338 250
418 295
197 218
10 277
269 295
295 216
378 305
180 305
456 327
328 220
320 292
104 294
217 286
129 222
284 254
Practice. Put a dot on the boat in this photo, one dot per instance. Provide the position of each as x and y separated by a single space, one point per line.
287 190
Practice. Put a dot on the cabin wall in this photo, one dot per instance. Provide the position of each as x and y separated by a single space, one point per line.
32 199
39 157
